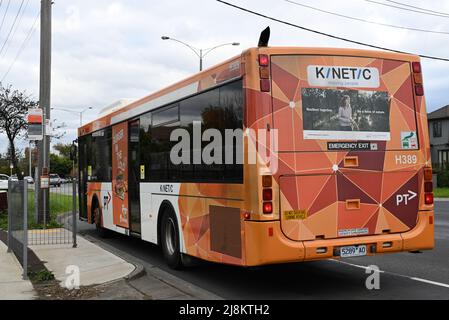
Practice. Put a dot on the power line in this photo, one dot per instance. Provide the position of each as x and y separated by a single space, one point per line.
4 16
23 45
406 9
16 28
419 8
327 34
363 20
12 27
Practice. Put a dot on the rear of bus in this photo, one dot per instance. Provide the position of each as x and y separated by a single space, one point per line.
352 173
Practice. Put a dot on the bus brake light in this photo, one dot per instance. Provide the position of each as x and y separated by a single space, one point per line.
265 85
267 208
428 198
428 174
419 90
267 194
264 61
416 67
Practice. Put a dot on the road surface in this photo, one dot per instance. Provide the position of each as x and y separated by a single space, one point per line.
405 275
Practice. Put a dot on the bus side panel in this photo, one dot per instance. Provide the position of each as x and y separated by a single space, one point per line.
212 223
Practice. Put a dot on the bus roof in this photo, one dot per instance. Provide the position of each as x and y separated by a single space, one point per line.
220 73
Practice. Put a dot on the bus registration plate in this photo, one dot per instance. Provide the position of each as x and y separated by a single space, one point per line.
353 251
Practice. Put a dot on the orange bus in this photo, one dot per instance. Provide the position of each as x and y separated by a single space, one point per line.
330 158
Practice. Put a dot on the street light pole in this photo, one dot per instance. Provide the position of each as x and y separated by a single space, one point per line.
201 53
80 113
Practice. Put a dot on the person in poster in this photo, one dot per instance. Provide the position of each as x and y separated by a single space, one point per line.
345 114
345 120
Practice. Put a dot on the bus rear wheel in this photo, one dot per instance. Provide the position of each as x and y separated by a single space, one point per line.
170 240
102 232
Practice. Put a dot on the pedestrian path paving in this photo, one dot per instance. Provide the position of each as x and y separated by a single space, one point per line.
12 286
95 265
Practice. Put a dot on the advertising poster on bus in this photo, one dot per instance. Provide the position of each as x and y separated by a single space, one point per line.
120 174
346 114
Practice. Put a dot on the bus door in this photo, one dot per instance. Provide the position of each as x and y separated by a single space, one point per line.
120 161
134 177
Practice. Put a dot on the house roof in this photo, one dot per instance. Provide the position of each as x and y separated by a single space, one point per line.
441 113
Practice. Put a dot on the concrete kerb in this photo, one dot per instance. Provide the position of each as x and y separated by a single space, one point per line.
183 287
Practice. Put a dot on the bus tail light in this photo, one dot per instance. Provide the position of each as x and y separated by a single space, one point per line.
417 76
416 67
267 181
264 73
267 194
428 186
264 60
428 173
428 198
267 207
265 85
419 90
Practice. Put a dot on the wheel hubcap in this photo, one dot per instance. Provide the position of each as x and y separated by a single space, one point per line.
170 236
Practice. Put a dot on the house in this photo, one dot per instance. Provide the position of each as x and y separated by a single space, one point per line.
439 135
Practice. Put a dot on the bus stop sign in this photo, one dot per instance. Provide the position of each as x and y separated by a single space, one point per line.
35 129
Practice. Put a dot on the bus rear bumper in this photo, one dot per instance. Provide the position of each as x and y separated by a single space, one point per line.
266 244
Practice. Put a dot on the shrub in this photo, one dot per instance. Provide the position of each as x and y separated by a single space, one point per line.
443 178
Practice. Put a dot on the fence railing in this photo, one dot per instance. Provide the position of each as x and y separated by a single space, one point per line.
18 222
59 225
30 226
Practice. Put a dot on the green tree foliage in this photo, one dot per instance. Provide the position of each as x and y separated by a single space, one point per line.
60 165
14 107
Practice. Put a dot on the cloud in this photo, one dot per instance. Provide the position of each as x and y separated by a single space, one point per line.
107 50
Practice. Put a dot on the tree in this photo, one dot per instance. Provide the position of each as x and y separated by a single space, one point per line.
63 149
14 105
60 165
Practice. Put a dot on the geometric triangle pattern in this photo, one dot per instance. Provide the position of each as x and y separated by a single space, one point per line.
383 179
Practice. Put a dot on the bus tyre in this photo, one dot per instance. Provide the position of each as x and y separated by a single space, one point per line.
102 232
170 240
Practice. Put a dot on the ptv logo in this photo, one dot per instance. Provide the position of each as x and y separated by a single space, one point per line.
405 198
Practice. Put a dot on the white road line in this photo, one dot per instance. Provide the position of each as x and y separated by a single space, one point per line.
431 282
435 283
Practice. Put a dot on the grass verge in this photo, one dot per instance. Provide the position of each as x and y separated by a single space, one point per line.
441 192
59 203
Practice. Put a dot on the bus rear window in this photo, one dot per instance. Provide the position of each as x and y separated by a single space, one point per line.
327 101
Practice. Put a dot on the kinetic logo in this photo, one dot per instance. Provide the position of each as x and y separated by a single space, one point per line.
343 73
338 76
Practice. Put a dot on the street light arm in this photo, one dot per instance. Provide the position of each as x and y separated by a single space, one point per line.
66 110
188 46
207 51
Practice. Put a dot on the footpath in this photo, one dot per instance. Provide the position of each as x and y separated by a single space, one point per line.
92 271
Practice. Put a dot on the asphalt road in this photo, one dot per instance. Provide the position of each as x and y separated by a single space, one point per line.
404 275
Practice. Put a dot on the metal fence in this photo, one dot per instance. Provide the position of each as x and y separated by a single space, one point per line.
18 222
59 225
29 226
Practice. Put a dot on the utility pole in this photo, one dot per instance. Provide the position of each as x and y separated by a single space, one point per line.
44 103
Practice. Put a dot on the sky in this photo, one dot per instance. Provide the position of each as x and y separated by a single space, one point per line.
107 50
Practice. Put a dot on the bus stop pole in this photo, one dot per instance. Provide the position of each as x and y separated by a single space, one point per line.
9 196
74 220
25 230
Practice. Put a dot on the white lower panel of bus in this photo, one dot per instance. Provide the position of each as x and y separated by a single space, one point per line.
108 209
151 197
